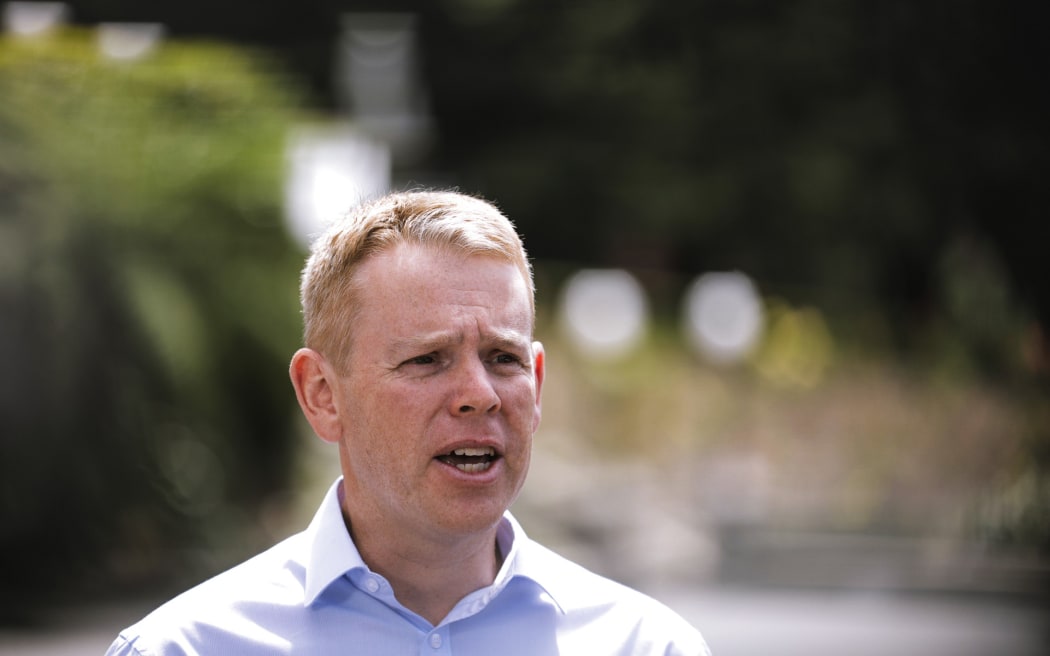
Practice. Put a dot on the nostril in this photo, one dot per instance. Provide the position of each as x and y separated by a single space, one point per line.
465 408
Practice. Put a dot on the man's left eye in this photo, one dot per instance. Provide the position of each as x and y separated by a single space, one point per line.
506 358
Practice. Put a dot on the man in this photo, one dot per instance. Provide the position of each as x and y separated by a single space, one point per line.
419 365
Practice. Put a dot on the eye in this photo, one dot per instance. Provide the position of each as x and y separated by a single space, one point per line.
429 358
506 358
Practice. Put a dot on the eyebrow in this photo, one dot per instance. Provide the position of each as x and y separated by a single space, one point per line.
503 339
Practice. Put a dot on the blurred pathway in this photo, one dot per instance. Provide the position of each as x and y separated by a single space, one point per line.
755 622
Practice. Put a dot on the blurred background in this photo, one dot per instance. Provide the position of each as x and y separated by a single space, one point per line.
791 281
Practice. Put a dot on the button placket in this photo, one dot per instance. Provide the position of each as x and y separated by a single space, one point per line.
436 642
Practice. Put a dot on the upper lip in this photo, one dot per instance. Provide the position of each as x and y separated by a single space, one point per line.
490 446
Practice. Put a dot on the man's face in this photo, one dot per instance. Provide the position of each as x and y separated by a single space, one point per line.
440 395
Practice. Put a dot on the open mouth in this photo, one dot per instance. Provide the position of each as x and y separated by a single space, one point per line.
470 459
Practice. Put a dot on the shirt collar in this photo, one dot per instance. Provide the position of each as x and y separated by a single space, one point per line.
333 554
530 561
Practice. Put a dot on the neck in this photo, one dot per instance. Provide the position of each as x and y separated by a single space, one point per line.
429 576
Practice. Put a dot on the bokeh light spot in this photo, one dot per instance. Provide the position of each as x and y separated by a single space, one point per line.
330 171
723 316
128 41
604 312
33 18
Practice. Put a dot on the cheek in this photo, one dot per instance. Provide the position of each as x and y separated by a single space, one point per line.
388 398
520 402
396 413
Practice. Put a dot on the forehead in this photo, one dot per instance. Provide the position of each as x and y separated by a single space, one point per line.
410 280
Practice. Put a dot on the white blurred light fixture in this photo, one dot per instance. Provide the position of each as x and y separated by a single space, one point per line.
331 170
34 18
723 316
604 312
128 41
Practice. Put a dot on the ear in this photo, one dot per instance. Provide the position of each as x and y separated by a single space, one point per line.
313 380
539 371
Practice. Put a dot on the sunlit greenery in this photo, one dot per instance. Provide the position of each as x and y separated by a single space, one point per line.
148 298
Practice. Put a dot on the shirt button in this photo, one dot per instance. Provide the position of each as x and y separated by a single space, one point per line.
372 585
435 640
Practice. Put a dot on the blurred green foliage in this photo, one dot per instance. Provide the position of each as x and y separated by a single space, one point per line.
147 305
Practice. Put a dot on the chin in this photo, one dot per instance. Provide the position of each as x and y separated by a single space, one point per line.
477 521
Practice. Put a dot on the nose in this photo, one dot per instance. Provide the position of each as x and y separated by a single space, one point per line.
473 391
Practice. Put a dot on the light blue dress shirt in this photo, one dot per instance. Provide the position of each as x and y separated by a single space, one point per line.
312 594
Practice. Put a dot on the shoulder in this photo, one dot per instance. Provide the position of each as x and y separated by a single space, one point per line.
594 604
223 608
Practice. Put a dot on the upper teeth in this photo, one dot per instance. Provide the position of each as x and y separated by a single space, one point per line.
475 451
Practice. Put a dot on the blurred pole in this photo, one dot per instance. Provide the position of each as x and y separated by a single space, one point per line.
379 82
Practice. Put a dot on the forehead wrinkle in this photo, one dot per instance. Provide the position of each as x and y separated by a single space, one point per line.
507 338
502 335
497 337
429 340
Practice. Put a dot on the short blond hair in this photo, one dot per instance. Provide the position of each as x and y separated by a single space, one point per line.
433 219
